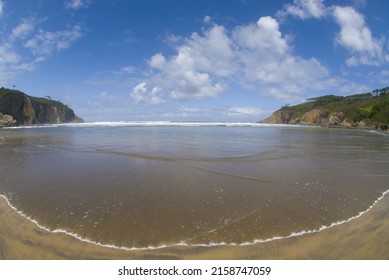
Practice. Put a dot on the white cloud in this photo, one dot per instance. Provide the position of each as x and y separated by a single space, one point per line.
22 30
236 113
46 43
303 9
207 19
7 55
264 35
243 111
105 97
76 4
187 75
268 63
9 60
23 48
141 94
128 69
355 36
383 77
157 61
211 52
257 56
1 8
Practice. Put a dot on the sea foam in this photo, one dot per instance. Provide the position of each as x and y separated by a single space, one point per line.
153 124
186 244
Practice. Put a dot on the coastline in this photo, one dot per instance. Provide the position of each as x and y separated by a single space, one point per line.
364 237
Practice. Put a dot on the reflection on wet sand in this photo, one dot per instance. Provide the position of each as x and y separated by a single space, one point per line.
188 192
363 238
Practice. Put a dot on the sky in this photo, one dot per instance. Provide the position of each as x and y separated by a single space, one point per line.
198 60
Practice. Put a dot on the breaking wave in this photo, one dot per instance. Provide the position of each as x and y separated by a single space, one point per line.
154 124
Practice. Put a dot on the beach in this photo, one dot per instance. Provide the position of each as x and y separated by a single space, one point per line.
208 191
364 238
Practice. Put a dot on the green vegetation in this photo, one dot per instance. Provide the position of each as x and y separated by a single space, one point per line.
371 107
58 104
5 91
26 109
41 100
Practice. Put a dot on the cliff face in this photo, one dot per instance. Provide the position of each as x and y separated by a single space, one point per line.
366 111
318 117
26 109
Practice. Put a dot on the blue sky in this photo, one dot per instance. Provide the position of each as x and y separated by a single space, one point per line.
216 60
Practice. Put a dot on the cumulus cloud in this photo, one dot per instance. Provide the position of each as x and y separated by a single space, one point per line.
303 9
141 94
207 19
355 36
256 55
264 35
76 4
187 75
267 59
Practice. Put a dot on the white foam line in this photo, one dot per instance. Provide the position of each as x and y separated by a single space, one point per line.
153 124
185 244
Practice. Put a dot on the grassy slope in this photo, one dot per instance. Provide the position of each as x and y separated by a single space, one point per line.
362 107
41 100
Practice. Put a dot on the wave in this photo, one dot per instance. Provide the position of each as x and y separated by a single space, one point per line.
185 243
153 124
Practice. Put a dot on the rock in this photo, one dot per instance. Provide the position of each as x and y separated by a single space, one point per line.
314 117
335 119
26 109
280 116
7 120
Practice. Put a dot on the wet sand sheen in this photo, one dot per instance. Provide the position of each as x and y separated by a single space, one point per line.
191 186
363 238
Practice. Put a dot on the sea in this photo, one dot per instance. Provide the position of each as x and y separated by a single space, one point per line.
148 185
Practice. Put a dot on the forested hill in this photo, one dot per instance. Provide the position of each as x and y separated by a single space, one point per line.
367 110
18 108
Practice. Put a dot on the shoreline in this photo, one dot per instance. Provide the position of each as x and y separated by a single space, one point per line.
21 238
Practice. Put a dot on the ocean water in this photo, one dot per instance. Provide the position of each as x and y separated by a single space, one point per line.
139 185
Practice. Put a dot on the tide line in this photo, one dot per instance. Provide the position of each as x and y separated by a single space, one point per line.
185 244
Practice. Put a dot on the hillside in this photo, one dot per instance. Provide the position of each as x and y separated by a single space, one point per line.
18 108
367 110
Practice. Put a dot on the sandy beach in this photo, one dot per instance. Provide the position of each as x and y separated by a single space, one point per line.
366 237
136 187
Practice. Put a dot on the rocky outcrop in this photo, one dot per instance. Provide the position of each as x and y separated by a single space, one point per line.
25 109
6 120
280 116
365 110
318 117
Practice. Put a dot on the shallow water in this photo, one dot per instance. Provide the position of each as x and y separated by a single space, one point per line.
141 185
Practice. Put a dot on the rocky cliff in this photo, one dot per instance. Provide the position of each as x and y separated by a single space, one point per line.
18 108
368 111
318 117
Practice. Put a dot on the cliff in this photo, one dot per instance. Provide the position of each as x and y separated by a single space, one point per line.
18 108
367 110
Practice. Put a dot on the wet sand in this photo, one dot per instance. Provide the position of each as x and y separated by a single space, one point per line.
366 237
